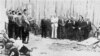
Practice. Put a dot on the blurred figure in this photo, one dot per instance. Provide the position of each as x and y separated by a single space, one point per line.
88 28
11 24
54 25
25 26
61 28
46 28
18 47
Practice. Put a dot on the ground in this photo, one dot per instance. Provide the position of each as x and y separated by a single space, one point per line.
56 47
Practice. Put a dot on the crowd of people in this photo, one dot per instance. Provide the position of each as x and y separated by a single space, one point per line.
67 28
18 25
55 27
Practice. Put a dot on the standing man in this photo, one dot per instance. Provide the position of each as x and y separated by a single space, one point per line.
11 26
54 25
25 26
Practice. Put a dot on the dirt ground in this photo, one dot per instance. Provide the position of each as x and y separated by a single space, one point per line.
56 47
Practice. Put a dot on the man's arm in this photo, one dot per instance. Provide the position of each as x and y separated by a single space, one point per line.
6 27
6 36
25 18
27 21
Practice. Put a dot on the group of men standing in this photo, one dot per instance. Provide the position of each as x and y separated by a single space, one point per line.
77 29
66 28
49 27
18 25
54 27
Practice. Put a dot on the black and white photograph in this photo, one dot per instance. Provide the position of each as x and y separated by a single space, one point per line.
49 27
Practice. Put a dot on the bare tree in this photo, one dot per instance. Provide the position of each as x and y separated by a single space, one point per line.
86 9
44 8
70 8
61 8
5 3
39 17
56 8
73 9
93 14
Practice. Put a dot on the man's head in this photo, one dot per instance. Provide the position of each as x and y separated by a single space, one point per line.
81 18
13 12
25 11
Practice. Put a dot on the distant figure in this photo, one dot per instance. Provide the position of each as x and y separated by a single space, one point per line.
54 25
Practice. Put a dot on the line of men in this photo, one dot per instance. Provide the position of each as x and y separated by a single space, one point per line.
63 28
54 27
18 25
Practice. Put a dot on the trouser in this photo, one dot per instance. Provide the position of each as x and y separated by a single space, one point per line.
44 32
25 34
17 31
59 31
86 34
54 30
48 33
11 29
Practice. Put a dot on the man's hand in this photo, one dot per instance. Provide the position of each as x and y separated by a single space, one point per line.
79 28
